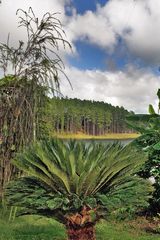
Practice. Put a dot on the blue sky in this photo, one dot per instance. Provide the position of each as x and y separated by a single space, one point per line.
115 54
89 56
83 5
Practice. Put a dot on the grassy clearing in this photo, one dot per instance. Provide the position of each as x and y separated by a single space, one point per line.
32 228
35 228
122 232
107 136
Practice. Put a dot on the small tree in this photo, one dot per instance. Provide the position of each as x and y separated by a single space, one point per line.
78 184
30 70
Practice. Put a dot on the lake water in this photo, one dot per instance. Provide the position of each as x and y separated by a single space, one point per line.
106 141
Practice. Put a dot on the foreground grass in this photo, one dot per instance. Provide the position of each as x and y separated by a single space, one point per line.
35 228
114 136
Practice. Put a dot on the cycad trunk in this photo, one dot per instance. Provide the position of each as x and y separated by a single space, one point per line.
86 232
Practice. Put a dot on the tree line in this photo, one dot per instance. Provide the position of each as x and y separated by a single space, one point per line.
90 117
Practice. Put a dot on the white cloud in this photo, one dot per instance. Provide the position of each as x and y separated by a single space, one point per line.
9 20
92 27
142 19
137 22
134 89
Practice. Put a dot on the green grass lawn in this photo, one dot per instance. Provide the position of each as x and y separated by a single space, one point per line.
107 136
35 228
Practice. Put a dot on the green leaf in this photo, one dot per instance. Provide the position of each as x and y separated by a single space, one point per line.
77 202
157 146
151 109
55 203
91 202
158 93
93 215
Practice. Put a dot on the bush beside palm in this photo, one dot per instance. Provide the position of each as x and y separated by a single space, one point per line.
149 141
78 184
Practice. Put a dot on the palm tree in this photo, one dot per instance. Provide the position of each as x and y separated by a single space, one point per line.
78 184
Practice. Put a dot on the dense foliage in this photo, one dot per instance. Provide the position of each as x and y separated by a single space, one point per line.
90 117
78 184
149 126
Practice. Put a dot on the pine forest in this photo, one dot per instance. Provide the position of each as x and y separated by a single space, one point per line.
89 117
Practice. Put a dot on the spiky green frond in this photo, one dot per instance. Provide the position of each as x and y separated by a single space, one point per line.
65 176
131 191
75 168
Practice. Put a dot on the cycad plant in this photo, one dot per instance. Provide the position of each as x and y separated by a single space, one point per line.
77 184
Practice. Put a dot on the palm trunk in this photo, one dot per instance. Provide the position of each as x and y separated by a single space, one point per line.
86 232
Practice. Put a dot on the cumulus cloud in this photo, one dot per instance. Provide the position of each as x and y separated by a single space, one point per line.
137 22
92 27
132 88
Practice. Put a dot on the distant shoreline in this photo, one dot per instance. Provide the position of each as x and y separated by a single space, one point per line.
110 136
